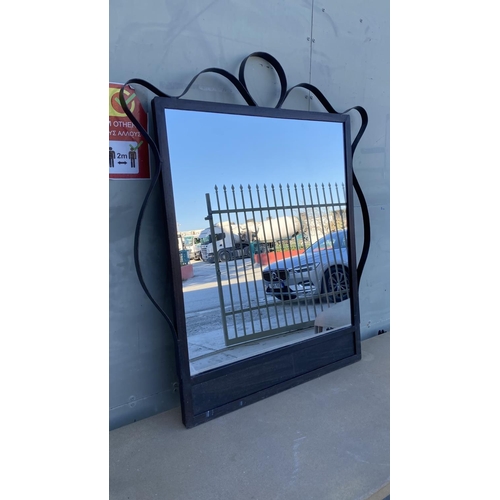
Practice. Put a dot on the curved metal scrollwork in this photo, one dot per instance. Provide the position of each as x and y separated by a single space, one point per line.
240 85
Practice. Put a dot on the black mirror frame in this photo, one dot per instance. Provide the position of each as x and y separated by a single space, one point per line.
220 390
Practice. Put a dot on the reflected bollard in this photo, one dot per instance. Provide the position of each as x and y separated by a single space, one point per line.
184 256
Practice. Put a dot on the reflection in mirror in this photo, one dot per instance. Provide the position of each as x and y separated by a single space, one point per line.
261 214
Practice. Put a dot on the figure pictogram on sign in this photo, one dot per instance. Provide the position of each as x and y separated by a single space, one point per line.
132 156
123 157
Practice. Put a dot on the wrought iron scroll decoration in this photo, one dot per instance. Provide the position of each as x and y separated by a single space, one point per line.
240 85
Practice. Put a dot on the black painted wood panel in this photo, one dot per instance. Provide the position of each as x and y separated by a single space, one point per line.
272 370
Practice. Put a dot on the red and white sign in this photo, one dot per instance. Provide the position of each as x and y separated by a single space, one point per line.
128 151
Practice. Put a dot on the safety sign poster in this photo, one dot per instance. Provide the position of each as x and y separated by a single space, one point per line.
128 151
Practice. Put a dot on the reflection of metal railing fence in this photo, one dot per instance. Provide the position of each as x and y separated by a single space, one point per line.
268 283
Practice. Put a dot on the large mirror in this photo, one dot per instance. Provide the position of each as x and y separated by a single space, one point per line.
259 215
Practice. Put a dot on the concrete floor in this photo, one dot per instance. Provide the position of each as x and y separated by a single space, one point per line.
325 439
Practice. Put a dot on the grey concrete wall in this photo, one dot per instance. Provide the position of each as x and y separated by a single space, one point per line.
340 47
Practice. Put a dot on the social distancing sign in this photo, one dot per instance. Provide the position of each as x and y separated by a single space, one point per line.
128 151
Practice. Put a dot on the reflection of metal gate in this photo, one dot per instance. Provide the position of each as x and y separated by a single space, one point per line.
250 230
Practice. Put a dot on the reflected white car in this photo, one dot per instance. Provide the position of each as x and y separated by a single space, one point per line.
321 271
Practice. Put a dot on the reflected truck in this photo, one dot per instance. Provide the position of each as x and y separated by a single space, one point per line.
231 243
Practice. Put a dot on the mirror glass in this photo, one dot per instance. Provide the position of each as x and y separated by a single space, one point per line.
261 213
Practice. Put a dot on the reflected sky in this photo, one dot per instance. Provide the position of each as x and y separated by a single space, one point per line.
208 149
